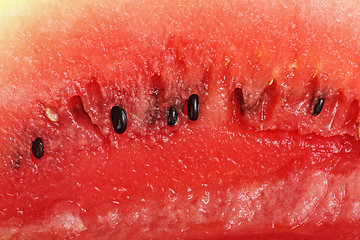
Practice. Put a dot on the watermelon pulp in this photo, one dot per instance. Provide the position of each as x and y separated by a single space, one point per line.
256 162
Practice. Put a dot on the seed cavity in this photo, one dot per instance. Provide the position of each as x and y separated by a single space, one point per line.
238 101
52 115
119 119
271 81
193 107
37 148
172 117
318 106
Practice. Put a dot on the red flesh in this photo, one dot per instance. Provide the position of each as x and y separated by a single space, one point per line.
229 174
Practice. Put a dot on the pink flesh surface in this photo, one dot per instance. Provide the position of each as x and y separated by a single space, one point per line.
215 178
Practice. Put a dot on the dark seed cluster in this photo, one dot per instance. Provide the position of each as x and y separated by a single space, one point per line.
119 119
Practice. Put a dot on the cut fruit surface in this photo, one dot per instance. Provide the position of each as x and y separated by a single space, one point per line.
196 121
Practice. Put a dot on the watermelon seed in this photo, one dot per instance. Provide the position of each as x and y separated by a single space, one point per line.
271 81
119 119
38 148
318 106
52 115
193 107
172 117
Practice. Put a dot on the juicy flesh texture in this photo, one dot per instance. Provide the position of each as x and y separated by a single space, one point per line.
256 164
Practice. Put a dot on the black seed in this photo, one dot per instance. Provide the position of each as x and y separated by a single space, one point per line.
193 107
172 117
37 148
119 119
318 106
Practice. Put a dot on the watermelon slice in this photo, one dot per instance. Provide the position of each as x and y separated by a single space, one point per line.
179 119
